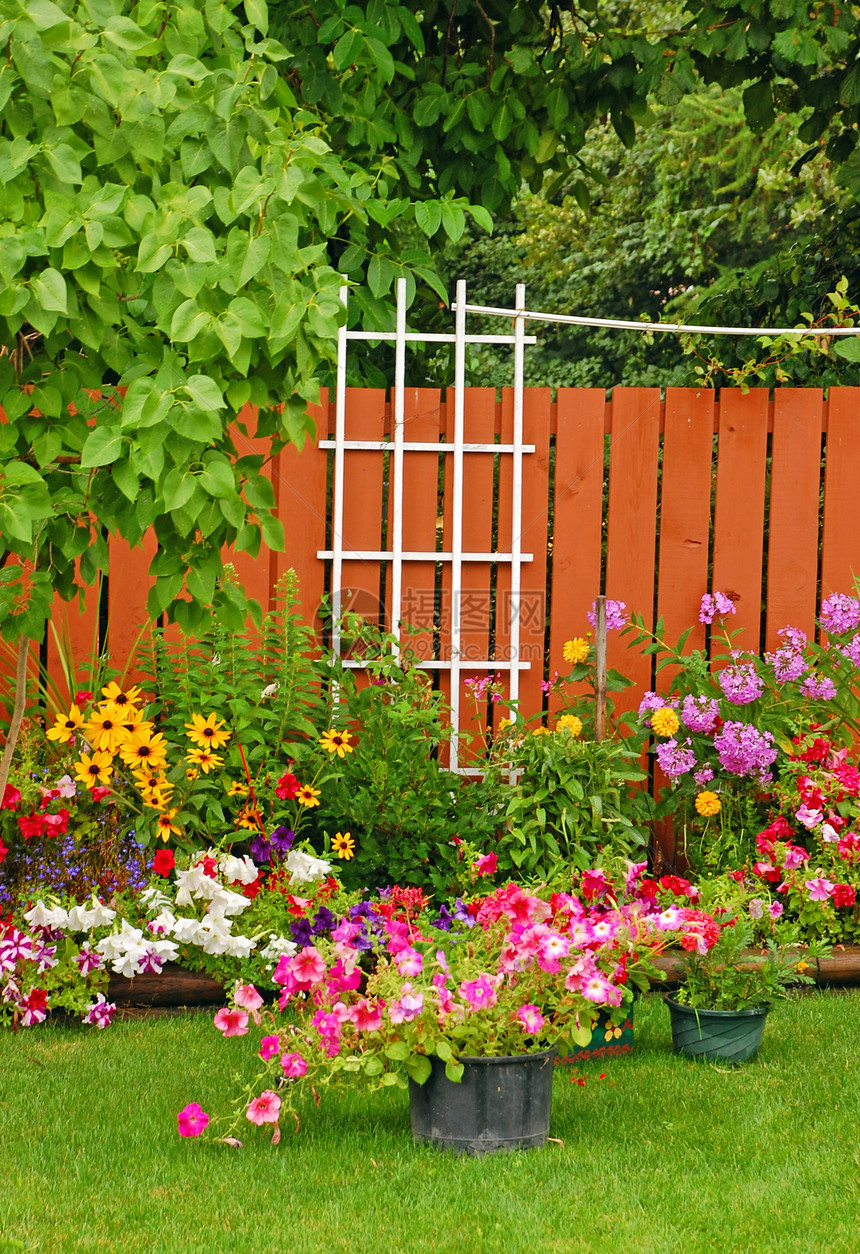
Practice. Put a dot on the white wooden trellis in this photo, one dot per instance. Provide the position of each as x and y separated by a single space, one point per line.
460 448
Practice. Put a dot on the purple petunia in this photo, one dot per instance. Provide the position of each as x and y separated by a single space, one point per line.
281 840
261 850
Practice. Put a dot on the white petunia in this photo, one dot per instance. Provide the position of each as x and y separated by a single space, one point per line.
242 869
305 869
45 916
84 918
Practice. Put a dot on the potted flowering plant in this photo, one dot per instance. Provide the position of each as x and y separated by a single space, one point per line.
737 960
468 999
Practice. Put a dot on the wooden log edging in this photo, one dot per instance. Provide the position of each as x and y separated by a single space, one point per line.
841 968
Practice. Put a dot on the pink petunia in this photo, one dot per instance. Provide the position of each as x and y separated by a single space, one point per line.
192 1120
819 888
264 1109
293 1066
365 1015
308 966
409 962
486 864
247 997
480 993
231 1022
531 1019
269 1046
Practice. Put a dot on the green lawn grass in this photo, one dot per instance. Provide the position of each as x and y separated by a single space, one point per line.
662 1155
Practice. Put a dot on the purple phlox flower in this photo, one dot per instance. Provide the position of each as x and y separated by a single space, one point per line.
616 614
261 850
851 650
743 750
818 688
713 605
740 683
840 613
100 1012
703 776
281 840
302 933
787 665
675 758
88 959
323 922
700 714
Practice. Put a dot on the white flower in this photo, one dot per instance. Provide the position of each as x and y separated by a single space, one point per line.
224 902
304 868
829 835
277 946
194 884
163 922
240 946
242 869
42 916
165 949
269 691
118 944
154 899
215 936
84 918
188 931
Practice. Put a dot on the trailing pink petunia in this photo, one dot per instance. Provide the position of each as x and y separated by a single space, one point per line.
231 1022
192 1120
264 1109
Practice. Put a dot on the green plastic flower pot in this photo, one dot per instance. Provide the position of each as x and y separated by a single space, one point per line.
730 1035
500 1104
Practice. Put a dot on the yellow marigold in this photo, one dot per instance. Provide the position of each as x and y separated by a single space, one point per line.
337 742
569 722
575 650
66 725
343 845
541 731
665 721
708 804
505 723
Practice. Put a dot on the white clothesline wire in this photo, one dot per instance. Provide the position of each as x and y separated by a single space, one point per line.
627 325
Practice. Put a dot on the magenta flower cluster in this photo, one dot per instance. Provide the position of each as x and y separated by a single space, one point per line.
616 615
744 750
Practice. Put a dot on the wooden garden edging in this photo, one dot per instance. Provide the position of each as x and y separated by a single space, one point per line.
841 968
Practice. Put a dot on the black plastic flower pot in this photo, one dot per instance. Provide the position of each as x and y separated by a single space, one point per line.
729 1035
500 1104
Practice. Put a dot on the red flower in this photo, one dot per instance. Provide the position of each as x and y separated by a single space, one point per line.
164 862
37 999
99 793
31 825
3 850
648 890
675 884
593 885
82 697
11 798
287 787
56 824
209 866
843 895
250 890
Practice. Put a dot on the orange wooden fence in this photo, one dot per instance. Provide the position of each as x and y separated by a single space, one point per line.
652 500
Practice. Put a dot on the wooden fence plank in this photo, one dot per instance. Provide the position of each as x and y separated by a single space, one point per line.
631 533
795 485
739 508
77 625
420 516
533 539
253 573
128 585
840 545
299 477
362 517
577 517
685 513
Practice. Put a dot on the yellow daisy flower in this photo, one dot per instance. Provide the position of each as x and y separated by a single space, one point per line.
307 796
249 817
237 790
665 721
541 731
105 729
94 768
575 650
165 826
337 742
203 760
115 694
343 845
132 719
207 732
505 723
141 750
569 722
66 725
708 804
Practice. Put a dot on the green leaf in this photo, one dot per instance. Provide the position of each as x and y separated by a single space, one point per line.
428 215
49 288
347 49
257 13
419 1068
397 1050
102 447
205 393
